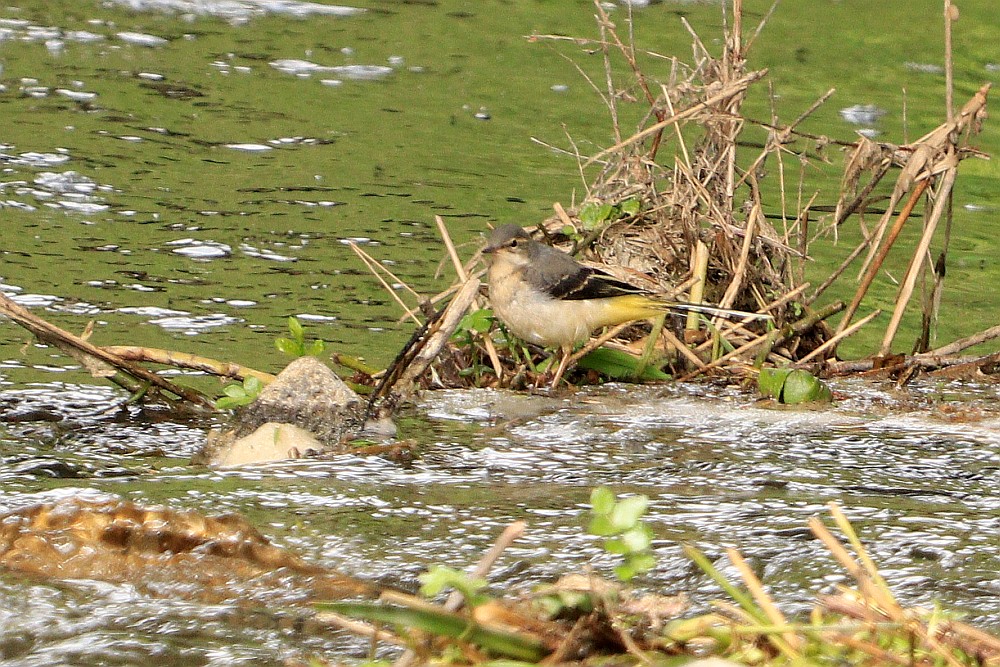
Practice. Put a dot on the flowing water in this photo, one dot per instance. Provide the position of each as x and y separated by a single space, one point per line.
186 175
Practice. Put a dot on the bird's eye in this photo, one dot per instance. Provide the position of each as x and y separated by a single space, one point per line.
513 243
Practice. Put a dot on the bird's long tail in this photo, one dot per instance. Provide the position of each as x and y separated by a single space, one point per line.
714 311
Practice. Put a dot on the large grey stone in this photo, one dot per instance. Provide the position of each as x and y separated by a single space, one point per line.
309 395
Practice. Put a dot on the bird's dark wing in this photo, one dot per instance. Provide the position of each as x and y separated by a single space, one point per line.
588 283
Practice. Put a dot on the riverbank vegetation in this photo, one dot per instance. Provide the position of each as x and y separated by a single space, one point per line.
583 619
695 200
705 204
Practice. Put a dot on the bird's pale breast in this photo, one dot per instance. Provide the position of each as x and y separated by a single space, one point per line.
538 318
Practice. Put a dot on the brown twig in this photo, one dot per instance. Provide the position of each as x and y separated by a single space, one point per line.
184 360
97 360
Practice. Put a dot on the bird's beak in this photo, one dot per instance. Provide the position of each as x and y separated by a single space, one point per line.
489 250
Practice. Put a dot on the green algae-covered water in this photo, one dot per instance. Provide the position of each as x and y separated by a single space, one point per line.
186 175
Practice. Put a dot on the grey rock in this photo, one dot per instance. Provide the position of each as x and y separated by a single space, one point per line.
309 395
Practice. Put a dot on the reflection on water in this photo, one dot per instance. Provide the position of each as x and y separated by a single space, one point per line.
719 469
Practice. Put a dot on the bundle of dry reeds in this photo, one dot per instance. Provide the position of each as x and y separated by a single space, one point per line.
677 206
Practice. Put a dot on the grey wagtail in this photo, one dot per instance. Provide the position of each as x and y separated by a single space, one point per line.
546 297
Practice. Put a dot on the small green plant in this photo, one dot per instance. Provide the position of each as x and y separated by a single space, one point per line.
477 321
594 214
620 521
296 345
238 394
439 578
597 215
474 325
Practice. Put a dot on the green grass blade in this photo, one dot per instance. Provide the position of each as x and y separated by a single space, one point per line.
445 624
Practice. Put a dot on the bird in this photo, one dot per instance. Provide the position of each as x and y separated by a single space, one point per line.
544 296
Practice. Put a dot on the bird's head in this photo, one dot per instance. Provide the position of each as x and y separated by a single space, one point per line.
509 242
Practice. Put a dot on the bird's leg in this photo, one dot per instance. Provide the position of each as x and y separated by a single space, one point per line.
567 352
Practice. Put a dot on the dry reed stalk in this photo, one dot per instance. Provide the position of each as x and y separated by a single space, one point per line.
463 275
628 52
455 599
871 585
790 644
740 272
404 373
359 628
733 89
772 338
208 365
98 361
919 255
883 252
736 328
963 343
374 267
699 269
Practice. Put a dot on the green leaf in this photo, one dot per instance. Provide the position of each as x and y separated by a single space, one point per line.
439 577
802 387
625 572
637 539
615 546
602 500
601 526
228 403
630 206
770 381
594 213
288 346
618 365
628 511
295 328
478 320
643 562
234 391
253 385
316 348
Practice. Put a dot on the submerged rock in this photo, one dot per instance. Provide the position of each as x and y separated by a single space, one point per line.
270 442
307 409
